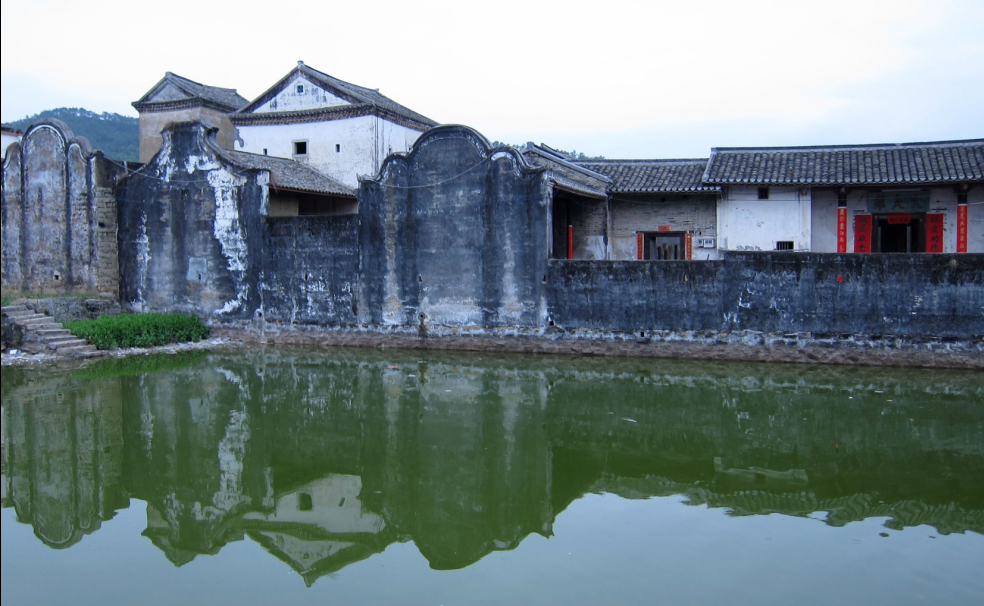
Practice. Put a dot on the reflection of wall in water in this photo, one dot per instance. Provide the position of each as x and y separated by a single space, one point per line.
326 461
63 450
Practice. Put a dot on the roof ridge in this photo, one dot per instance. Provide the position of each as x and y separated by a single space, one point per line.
850 146
642 160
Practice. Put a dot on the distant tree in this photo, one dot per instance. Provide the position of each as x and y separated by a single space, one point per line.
115 135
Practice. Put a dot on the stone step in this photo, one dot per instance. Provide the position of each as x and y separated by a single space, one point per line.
24 316
46 333
58 344
12 309
36 325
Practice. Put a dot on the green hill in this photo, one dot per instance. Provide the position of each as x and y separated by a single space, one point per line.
115 135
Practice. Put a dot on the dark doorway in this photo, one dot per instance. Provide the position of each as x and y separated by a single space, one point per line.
665 246
900 233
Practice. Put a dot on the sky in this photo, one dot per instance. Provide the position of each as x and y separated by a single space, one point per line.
620 78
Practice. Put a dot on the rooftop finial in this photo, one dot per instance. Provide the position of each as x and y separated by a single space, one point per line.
300 63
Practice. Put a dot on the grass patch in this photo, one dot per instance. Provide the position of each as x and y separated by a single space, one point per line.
139 330
133 366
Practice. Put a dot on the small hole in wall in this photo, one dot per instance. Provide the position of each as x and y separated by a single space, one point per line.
551 322
264 151
56 275
423 316
342 502
642 333
101 224
544 279
259 314
338 147
420 278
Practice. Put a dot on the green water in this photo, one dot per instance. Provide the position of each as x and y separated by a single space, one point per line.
303 477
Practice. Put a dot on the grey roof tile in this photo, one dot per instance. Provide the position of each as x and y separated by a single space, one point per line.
224 98
653 176
358 96
883 164
286 173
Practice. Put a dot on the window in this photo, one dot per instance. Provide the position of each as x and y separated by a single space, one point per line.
338 147
763 193
264 151
304 502
300 148
300 88
784 245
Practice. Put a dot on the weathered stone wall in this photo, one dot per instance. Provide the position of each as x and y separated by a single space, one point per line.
310 270
897 295
59 215
454 234
191 232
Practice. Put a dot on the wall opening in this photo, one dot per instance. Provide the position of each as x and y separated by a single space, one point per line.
300 148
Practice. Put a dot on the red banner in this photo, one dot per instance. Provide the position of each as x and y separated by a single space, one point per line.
690 245
842 230
899 219
862 233
934 233
640 245
962 228
665 228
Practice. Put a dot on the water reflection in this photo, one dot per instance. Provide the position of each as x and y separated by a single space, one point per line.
325 460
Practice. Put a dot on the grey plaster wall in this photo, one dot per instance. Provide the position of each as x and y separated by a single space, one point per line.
196 237
191 232
455 234
311 270
897 295
59 215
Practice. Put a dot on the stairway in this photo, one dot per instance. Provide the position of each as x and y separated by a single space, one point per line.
43 335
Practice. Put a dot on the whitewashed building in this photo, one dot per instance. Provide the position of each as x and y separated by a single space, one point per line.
909 197
337 128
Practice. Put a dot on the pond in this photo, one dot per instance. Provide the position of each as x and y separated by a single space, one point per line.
308 476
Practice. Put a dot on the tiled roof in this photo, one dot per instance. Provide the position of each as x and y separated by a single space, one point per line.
358 96
653 176
567 175
286 173
893 164
226 99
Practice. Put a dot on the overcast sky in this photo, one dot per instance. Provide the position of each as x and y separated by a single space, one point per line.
618 78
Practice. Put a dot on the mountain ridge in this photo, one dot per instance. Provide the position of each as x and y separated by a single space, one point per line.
115 135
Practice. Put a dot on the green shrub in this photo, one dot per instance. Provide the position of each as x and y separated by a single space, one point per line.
139 330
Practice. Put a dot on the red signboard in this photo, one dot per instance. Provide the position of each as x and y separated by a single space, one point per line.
842 230
640 245
690 245
862 233
934 233
899 219
962 228
665 228
570 241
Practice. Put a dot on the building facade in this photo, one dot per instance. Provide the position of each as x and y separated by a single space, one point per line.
338 128
175 99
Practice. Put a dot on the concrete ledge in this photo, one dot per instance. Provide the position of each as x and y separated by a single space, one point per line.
746 346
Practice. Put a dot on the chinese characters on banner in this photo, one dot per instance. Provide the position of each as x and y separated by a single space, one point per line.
690 245
640 245
962 228
842 230
862 233
934 233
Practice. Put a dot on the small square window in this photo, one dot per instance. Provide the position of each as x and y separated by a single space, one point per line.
300 88
300 148
763 193
784 245
264 151
304 502
338 147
